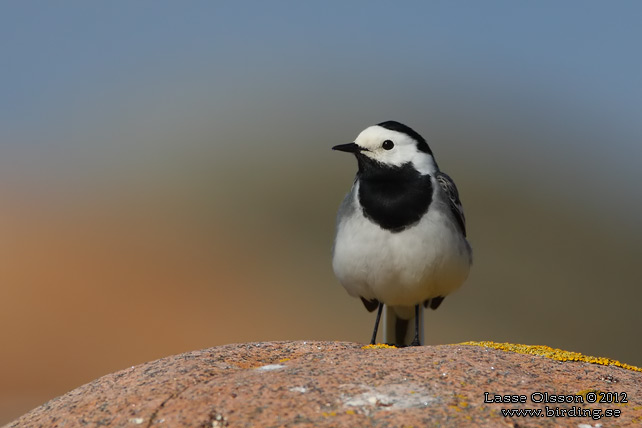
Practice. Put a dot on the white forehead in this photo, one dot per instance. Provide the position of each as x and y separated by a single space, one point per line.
372 137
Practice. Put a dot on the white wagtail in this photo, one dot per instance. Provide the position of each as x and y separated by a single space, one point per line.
401 232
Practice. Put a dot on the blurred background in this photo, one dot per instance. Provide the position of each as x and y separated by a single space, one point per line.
167 183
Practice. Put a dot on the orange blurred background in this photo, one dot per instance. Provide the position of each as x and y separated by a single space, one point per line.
167 183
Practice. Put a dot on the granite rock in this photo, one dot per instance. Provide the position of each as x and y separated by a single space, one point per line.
274 384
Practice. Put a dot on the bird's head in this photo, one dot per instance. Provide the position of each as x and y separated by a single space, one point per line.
392 144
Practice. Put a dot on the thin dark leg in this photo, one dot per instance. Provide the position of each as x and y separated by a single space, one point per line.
376 327
415 341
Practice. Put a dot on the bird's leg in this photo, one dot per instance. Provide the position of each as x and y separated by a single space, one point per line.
376 327
415 341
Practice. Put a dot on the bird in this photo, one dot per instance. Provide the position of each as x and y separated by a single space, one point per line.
400 231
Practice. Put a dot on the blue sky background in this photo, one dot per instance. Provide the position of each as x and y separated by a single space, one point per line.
100 78
166 167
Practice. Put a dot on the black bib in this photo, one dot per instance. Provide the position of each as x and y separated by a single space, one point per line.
393 197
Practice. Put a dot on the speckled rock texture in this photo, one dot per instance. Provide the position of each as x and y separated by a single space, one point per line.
281 384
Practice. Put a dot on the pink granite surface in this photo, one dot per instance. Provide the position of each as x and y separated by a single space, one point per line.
282 384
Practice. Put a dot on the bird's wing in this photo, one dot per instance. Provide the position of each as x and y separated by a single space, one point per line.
448 186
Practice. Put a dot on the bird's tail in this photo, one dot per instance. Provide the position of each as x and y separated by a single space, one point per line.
399 325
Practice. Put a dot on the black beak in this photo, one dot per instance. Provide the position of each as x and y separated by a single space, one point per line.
350 148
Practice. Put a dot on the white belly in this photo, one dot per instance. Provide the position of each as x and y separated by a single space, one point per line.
427 260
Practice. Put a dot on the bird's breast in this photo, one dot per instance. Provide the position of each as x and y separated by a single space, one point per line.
428 259
395 199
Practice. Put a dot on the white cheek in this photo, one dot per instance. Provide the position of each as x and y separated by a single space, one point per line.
401 155
398 156
425 165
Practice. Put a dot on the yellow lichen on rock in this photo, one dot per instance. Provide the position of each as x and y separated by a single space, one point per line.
552 353
586 391
379 346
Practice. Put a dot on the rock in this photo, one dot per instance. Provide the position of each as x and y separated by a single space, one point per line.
342 385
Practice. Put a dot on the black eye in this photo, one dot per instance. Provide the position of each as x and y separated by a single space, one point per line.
388 145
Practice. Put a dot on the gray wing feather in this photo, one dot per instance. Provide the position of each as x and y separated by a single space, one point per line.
448 186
